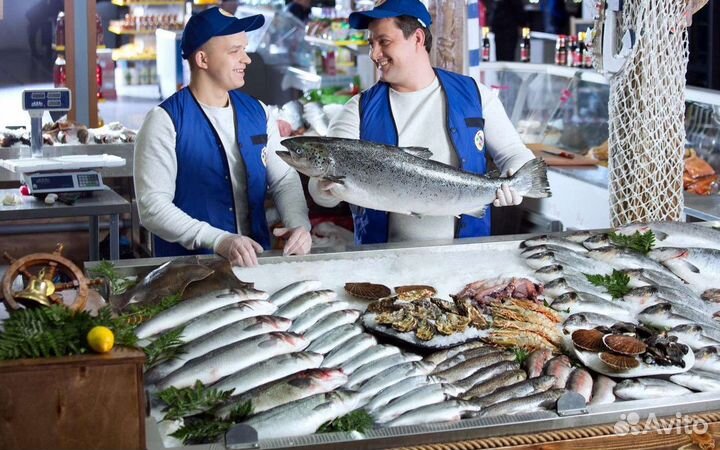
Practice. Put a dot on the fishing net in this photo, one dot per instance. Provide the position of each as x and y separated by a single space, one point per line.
647 111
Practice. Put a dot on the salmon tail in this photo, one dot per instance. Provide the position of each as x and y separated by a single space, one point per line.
531 179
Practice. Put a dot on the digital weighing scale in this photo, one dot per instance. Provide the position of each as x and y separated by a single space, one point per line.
70 173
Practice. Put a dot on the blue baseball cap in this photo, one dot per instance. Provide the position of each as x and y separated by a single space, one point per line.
391 8
214 22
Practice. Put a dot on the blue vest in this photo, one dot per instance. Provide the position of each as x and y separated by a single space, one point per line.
203 188
464 122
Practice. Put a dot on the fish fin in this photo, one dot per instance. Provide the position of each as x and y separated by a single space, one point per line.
493 174
659 235
480 213
339 179
420 152
532 181
689 266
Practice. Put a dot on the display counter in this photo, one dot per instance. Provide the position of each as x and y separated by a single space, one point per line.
448 266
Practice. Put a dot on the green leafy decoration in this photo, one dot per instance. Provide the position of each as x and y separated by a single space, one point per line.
520 355
615 284
201 430
358 420
191 400
118 284
639 242
55 331
139 313
240 412
167 346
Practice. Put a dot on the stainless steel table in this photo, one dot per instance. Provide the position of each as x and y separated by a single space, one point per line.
101 203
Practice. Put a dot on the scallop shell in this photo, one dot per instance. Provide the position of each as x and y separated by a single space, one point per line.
625 345
415 287
588 340
619 362
367 291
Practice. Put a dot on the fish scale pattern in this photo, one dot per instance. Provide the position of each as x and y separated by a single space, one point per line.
647 111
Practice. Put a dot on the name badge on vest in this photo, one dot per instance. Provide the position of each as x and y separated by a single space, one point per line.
480 140
263 156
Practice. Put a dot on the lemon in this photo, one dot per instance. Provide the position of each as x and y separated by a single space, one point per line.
101 339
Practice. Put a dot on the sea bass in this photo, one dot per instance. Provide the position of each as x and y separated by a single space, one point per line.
700 267
195 307
680 234
405 180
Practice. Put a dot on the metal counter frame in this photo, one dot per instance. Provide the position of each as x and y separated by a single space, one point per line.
101 203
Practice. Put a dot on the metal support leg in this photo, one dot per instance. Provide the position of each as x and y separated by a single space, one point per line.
114 237
94 238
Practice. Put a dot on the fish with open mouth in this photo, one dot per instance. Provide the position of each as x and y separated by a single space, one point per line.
405 180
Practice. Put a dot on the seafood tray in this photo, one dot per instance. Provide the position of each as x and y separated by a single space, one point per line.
446 267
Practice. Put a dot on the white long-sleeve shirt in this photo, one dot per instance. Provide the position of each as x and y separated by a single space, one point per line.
155 172
420 119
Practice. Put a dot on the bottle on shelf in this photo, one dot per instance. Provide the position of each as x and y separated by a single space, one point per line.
572 51
60 30
561 51
59 74
485 43
587 52
579 53
525 45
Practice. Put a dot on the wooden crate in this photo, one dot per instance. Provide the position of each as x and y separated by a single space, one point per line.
74 402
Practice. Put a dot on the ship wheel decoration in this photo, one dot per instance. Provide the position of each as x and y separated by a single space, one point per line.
38 272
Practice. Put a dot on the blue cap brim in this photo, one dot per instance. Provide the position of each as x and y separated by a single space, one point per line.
250 23
361 19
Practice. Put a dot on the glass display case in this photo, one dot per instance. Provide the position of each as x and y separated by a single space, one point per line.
568 108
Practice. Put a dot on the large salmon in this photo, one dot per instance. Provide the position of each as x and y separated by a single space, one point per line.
403 180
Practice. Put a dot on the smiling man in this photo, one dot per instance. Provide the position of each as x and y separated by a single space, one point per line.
416 105
205 158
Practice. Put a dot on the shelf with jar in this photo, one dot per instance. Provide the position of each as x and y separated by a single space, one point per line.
145 24
341 57
136 67
148 2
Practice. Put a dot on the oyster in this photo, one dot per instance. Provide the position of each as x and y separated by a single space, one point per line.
383 305
588 340
452 323
368 291
407 323
425 330
619 362
477 320
445 305
388 318
624 345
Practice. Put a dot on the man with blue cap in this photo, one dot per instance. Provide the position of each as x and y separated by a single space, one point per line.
205 159
416 105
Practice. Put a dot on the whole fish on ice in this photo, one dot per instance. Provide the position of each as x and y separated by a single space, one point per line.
404 180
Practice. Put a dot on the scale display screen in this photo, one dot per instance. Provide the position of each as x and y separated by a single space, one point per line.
48 182
46 99
54 182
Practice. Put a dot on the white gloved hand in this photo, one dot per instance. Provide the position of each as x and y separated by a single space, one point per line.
297 240
324 192
239 250
507 196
